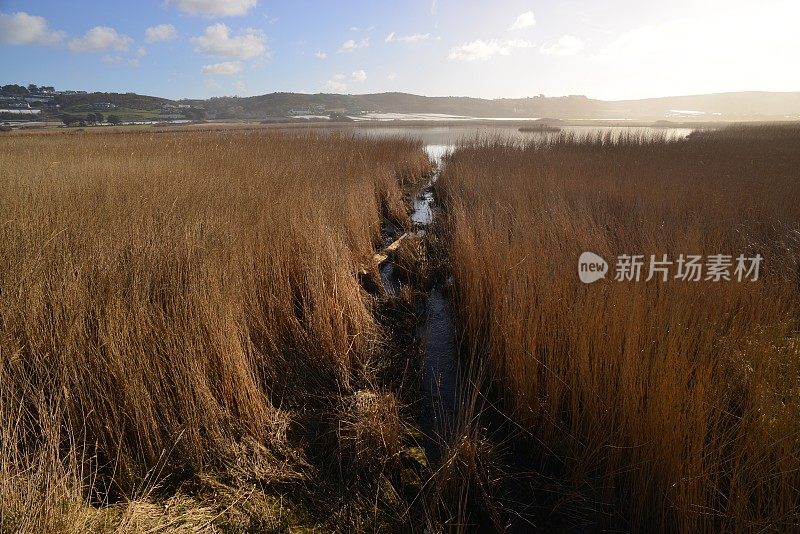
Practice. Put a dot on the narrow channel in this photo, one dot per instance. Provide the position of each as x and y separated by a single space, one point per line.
436 330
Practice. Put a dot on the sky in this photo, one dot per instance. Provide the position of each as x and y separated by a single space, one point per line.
613 50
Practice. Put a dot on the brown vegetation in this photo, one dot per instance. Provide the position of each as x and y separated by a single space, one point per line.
180 316
185 342
652 405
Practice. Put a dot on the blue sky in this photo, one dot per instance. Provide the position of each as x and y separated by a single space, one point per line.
200 48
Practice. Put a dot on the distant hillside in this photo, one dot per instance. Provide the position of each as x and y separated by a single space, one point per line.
279 104
743 105
122 100
723 106
710 107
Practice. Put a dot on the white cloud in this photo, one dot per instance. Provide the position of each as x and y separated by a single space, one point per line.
485 50
115 60
413 38
434 7
141 52
526 20
213 8
226 68
350 45
639 42
391 76
22 29
162 32
338 82
678 37
321 55
100 38
239 85
333 86
217 41
517 43
567 45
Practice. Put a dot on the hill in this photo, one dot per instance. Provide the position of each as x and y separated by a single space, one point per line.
722 106
709 107
122 100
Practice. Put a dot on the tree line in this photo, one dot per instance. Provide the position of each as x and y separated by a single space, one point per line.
20 90
90 118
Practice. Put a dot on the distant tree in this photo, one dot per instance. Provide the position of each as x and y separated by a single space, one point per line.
91 118
33 88
69 120
48 88
113 119
99 117
14 89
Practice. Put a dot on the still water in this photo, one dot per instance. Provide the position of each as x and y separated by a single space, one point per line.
453 135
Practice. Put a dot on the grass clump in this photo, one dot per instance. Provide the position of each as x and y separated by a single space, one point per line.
181 305
651 405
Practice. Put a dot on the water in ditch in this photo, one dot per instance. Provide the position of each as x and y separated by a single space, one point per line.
436 331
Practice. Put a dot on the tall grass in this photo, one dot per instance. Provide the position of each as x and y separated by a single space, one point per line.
652 405
169 301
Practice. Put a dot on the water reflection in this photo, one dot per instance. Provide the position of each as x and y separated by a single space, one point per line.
437 152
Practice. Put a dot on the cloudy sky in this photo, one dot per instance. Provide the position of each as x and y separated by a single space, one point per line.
614 49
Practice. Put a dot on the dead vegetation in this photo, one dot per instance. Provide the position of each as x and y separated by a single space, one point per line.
186 342
183 332
644 406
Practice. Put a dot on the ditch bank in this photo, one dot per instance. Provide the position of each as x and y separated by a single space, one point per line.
452 415
405 273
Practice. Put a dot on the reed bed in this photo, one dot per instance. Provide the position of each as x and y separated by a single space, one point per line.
171 304
643 406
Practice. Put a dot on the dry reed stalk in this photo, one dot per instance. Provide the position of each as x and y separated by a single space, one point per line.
674 404
166 298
